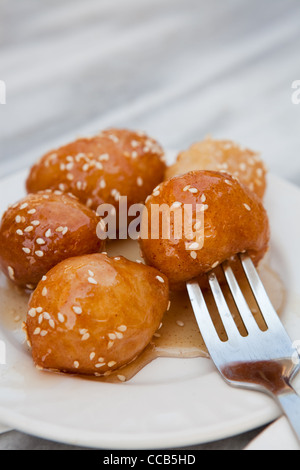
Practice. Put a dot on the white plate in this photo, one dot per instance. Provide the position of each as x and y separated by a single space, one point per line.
171 402
277 436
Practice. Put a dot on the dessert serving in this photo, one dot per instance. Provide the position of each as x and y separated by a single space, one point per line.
107 314
116 162
41 230
93 314
234 221
223 156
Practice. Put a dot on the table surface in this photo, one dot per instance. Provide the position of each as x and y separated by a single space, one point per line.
179 69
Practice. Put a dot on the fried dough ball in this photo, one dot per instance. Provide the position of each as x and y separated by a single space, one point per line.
93 314
117 162
40 231
230 219
224 156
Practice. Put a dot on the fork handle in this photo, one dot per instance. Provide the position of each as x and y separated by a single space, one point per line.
290 404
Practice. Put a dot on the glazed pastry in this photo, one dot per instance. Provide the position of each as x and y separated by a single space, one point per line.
232 220
224 156
40 231
93 314
115 163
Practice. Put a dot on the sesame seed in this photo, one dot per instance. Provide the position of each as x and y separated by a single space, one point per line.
37 331
51 323
156 193
203 198
18 219
40 241
193 190
193 254
91 273
23 206
39 309
111 335
92 356
139 181
39 253
176 204
122 378
160 279
215 264
44 291
35 223
99 364
48 233
60 317
110 344
85 167
85 337
134 143
31 211
204 207
180 323
32 312
102 184
65 230
247 207
119 335
91 280
76 364
44 278
11 273
186 188
169 305
111 363
40 319
59 229
228 182
43 332
134 154
77 310
61 186
122 328
70 177
19 232
194 246
46 316
28 229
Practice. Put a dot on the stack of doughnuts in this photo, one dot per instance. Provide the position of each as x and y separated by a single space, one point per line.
92 314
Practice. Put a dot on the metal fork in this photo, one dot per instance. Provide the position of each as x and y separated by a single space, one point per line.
263 360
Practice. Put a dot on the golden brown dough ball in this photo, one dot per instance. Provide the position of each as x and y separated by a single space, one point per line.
117 162
93 314
40 231
232 220
225 156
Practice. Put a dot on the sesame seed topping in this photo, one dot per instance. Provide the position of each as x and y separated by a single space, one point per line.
85 337
18 219
119 335
28 229
99 364
194 246
46 316
203 198
44 278
176 204
193 254
59 229
91 273
193 190
186 188
44 291
37 331
156 193
43 332
51 323
169 305
139 181
31 211
215 264
32 312
180 323
122 328
76 309
247 207
122 378
40 241
160 279
19 232
111 363
48 233
23 206
60 317
11 273
39 253
134 154
111 335
91 280
92 356
35 223
76 364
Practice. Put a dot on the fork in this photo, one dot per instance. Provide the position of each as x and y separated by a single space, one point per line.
263 360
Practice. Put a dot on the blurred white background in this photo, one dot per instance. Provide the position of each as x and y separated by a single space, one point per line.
179 69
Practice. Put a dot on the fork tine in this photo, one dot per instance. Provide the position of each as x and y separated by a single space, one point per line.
243 308
259 292
202 316
223 309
